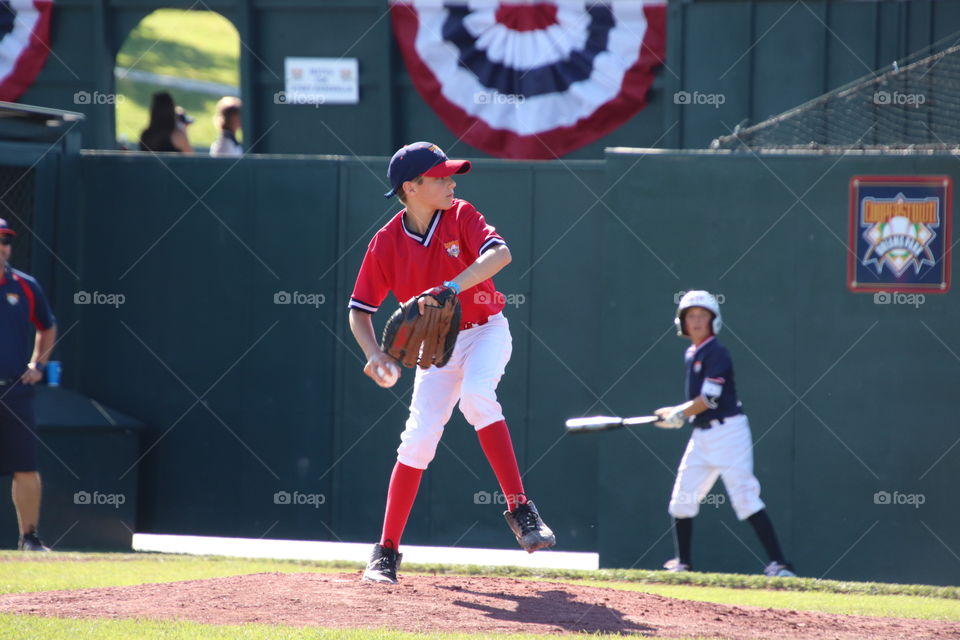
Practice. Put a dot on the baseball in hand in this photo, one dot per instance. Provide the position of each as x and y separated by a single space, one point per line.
389 374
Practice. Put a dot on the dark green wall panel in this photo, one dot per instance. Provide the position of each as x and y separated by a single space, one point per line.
789 56
199 315
830 380
714 62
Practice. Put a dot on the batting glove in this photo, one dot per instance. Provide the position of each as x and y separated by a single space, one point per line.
674 421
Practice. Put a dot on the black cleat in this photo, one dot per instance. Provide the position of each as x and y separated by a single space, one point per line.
31 542
529 528
383 565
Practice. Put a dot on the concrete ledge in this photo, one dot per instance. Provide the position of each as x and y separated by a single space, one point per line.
359 552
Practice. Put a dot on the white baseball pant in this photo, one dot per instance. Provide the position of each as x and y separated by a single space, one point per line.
725 451
470 377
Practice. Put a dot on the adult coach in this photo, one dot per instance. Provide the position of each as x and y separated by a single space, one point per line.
721 444
27 334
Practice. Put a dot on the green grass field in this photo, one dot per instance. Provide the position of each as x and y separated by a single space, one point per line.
898 606
45 628
200 45
75 570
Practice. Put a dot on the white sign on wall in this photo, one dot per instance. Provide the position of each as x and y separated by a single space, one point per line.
320 81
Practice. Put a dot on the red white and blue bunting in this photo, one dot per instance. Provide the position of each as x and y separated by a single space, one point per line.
528 79
24 44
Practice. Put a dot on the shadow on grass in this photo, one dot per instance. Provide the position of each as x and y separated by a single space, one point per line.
163 56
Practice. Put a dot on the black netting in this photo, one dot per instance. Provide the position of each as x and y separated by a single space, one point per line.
914 104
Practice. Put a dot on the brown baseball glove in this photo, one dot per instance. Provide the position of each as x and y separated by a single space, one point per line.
426 339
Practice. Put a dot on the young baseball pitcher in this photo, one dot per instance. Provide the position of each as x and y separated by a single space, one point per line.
720 445
440 246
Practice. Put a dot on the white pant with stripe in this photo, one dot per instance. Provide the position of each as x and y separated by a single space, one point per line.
470 378
722 451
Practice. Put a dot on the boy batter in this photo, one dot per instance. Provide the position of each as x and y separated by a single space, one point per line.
438 242
720 445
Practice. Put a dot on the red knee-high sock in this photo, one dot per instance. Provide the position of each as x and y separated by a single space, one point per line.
498 447
404 483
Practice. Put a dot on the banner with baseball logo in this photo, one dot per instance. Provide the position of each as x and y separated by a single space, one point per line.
900 234
24 44
531 80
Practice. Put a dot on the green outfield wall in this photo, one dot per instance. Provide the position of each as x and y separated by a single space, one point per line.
847 399
754 58
248 399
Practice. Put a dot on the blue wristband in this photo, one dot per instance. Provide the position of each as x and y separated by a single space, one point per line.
453 285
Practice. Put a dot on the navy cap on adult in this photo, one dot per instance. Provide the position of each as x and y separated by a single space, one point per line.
421 159
5 229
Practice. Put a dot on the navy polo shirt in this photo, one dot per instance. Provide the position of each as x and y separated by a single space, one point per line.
23 310
710 374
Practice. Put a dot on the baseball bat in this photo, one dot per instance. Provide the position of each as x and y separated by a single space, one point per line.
606 423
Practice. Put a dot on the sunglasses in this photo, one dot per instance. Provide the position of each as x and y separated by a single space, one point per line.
6 241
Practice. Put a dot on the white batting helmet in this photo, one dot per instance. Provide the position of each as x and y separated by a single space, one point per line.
698 299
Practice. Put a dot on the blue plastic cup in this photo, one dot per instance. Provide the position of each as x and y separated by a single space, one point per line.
53 373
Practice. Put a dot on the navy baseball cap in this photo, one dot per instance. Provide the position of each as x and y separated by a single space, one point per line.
5 229
421 159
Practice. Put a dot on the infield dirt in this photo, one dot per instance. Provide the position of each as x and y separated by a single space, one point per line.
452 603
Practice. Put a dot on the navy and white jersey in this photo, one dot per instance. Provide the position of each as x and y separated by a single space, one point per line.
23 311
710 374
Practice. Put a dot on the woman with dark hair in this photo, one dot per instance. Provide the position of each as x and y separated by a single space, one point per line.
163 134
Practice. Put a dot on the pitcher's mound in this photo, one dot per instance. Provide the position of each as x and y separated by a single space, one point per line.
454 603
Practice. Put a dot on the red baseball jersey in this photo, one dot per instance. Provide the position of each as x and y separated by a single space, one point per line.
407 263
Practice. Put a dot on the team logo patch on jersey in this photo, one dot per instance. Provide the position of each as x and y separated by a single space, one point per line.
453 248
13 298
899 233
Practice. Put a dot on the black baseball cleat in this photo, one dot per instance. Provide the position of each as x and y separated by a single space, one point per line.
31 542
529 528
383 565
